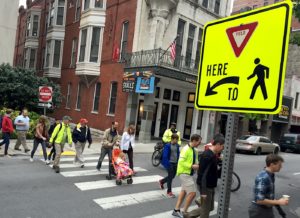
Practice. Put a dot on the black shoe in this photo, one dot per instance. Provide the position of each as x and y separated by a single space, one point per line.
26 150
57 169
17 149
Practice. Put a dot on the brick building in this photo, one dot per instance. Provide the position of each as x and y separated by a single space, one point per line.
113 62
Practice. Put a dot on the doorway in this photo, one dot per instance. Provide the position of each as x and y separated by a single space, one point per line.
188 123
164 119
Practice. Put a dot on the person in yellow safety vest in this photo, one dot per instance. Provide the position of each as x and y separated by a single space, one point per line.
168 133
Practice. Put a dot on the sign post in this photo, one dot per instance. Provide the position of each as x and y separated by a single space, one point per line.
45 96
242 69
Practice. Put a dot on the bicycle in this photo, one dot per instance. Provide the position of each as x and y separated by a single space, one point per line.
157 154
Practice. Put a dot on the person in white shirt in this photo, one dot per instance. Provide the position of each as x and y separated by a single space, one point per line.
22 123
127 144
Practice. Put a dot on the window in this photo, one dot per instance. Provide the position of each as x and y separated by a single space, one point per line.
217 6
254 6
60 12
43 58
95 44
68 100
99 4
96 97
124 40
78 102
113 98
176 95
48 48
157 92
205 3
189 48
199 121
32 58
191 97
197 59
28 26
25 58
56 55
296 100
46 22
167 94
275 1
266 3
86 4
35 25
74 48
78 10
51 16
82 45
179 41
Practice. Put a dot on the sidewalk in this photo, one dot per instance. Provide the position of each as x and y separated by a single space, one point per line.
94 149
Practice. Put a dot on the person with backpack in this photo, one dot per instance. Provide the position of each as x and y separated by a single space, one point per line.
61 135
170 157
169 132
81 134
22 123
208 178
50 131
7 130
40 137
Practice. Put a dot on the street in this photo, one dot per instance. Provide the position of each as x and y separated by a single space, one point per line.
33 190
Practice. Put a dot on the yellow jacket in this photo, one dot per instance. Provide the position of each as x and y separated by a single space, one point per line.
58 134
167 136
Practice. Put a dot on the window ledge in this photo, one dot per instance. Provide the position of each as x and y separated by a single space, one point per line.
94 112
77 110
110 115
67 108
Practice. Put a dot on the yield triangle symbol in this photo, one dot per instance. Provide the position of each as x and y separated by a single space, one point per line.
240 35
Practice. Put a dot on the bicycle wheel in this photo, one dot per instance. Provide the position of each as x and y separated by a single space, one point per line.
235 183
156 158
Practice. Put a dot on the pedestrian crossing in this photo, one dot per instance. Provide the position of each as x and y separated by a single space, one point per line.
86 180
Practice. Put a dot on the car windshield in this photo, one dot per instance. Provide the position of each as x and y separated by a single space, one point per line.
244 137
252 138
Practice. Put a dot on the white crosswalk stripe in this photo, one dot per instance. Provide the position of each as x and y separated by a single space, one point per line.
85 158
93 172
87 164
84 186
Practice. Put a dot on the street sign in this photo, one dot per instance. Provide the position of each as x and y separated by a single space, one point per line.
47 105
243 61
45 94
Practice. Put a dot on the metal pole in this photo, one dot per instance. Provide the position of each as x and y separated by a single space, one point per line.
44 109
228 162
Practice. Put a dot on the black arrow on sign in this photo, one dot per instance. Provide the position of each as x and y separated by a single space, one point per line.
231 79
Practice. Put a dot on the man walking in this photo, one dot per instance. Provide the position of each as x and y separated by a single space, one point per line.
81 134
208 177
22 127
187 164
7 130
264 189
110 138
61 135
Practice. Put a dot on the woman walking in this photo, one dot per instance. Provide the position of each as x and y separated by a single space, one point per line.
127 144
40 137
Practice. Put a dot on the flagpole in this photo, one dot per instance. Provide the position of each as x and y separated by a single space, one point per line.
167 48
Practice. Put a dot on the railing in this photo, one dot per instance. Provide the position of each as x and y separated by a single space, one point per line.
160 58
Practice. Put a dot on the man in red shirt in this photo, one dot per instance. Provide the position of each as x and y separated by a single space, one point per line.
7 129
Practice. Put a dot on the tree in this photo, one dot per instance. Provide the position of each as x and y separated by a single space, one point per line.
19 88
296 9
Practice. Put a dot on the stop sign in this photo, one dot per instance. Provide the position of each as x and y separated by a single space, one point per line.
45 94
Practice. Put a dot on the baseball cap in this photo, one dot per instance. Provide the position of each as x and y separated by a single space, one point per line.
67 118
83 120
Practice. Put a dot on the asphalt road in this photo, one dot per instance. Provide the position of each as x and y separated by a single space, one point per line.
33 190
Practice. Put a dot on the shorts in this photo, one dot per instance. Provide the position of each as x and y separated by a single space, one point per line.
187 183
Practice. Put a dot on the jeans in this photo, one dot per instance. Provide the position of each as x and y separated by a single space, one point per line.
104 151
36 143
171 174
6 141
129 152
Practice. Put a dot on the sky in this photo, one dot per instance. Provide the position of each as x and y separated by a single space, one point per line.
22 2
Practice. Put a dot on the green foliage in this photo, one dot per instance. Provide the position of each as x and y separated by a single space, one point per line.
19 88
295 38
296 9
250 116
34 119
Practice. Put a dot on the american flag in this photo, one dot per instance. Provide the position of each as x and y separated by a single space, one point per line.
173 50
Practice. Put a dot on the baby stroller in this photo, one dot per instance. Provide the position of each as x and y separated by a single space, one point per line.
120 169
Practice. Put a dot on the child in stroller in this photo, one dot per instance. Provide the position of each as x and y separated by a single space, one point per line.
121 167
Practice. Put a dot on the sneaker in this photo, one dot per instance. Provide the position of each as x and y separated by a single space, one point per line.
17 149
198 202
57 169
26 150
31 159
161 185
7 155
82 166
170 195
177 213
97 168
47 162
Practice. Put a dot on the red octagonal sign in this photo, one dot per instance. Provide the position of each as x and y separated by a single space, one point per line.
45 94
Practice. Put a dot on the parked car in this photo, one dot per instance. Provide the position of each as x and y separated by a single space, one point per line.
290 141
256 144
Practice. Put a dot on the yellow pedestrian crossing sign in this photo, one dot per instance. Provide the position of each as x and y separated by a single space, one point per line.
243 61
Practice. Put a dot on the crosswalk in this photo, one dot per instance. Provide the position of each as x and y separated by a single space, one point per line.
86 180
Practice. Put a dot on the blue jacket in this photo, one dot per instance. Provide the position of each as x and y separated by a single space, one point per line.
166 155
